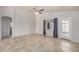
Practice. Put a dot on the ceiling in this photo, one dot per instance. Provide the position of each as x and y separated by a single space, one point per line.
51 8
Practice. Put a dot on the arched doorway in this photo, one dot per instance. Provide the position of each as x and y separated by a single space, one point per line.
6 27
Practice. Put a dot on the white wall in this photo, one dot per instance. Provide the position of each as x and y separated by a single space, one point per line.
74 15
0 28
75 29
8 11
24 22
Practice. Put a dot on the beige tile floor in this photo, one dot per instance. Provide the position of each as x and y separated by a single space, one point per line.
37 43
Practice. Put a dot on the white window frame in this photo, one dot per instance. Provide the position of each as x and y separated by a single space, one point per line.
67 31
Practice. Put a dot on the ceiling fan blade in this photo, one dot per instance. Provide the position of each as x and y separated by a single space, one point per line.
41 10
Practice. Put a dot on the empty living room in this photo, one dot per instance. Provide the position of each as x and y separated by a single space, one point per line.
39 29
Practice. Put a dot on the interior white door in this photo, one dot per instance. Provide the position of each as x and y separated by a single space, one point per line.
49 32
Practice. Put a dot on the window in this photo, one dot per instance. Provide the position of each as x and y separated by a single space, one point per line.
65 26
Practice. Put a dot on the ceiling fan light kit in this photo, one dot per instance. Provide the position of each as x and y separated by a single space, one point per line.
38 11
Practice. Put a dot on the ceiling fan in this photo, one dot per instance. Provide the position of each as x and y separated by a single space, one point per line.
37 10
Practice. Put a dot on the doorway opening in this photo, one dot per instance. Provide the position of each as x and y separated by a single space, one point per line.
6 27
